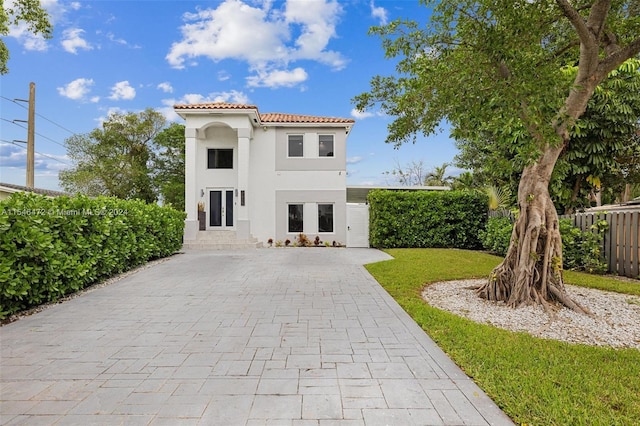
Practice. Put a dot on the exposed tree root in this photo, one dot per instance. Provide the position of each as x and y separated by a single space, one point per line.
531 272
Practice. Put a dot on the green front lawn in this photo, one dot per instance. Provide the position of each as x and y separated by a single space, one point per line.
535 381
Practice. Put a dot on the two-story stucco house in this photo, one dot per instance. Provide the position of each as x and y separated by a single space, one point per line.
261 176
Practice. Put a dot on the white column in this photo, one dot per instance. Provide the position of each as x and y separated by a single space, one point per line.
243 226
191 195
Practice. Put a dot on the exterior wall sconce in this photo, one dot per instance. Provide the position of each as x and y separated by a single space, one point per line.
201 193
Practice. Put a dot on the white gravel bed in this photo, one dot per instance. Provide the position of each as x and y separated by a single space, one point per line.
615 323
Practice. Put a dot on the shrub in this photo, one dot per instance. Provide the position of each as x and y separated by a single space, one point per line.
495 238
303 240
448 219
50 247
581 251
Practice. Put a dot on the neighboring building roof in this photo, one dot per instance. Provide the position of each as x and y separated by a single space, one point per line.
358 193
267 117
630 205
9 187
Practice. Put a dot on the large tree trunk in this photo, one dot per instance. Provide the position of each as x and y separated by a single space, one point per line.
531 272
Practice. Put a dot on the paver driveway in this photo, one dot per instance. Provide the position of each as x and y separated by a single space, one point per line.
257 337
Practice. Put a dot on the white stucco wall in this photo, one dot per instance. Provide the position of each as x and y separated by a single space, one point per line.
271 180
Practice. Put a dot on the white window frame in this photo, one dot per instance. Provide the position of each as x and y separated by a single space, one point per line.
289 231
333 143
333 224
289 146
220 150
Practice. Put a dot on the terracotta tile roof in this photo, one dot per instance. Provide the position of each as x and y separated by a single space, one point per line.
294 118
268 117
215 105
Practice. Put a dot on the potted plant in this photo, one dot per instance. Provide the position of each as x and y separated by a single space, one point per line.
202 216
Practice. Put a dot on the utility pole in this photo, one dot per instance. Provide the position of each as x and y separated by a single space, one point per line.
31 129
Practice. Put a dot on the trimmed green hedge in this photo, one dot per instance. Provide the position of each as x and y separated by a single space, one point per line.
50 247
438 219
581 251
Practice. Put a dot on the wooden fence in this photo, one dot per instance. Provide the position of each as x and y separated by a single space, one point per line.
621 245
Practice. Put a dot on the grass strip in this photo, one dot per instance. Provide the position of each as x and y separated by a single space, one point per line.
535 381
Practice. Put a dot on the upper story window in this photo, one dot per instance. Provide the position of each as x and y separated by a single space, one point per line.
220 158
325 144
296 146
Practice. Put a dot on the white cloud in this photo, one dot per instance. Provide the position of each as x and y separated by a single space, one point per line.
78 89
361 114
229 32
223 76
165 87
15 157
354 160
277 78
12 156
75 5
24 36
318 19
122 91
28 40
72 40
122 41
379 13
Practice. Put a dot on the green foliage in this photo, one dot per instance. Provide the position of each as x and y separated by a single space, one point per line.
169 165
50 247
438 176
114 160
581 251
499 197
28 12
535 381
497 235
604 153
426 219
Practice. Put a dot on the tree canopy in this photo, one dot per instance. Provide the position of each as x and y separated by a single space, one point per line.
603 156
168 167
21 12
115 160
519 74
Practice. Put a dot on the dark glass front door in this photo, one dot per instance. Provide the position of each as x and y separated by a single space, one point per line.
221 208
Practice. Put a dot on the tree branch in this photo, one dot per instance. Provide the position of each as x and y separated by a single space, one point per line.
569 46
577 21
597 17
616 59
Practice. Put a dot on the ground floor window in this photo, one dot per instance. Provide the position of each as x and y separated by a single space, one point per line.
295 217
325 217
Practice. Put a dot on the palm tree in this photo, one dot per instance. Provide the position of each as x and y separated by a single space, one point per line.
437 176
464 180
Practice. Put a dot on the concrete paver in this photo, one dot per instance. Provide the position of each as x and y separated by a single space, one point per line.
258 337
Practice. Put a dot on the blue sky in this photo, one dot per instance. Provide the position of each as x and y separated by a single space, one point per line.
296 56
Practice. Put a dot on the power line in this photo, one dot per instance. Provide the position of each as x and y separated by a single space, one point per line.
40 115
39 153
39 134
